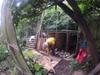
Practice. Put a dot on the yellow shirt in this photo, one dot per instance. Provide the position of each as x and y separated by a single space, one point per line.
51 41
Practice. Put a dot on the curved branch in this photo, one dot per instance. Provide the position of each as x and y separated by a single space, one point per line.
80 20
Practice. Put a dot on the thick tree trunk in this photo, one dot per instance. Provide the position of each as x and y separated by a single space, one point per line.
76 15
9 32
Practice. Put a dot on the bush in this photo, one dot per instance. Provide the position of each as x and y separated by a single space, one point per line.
3 52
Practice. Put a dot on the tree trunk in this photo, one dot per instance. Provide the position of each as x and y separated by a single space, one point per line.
76 15
40 21
9 32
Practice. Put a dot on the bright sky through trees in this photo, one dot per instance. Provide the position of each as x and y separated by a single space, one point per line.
1 1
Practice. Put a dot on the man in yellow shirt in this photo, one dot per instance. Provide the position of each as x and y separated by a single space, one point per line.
49 45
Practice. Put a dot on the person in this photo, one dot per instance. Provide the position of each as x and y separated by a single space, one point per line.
82 54
49 45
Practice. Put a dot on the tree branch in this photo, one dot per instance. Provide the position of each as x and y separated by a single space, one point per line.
76 15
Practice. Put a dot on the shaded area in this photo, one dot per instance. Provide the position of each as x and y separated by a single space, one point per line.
62 68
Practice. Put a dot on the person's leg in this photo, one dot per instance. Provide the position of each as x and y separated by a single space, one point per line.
53 50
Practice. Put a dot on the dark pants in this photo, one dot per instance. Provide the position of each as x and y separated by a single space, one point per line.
52 49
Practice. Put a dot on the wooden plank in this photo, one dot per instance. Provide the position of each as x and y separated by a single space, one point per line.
47 61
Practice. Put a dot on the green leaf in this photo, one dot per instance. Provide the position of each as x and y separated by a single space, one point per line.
37 67
83 7
38 73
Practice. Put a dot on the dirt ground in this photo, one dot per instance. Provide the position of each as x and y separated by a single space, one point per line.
78 72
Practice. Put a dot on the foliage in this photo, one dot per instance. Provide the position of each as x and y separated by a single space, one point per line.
34 8
31 59
74 65
25 19
39 70
29 10
86 66
24 29
89 6
25 15
56 19
3 52
37 67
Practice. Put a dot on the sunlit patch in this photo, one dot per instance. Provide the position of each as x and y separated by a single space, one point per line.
0 10
18 4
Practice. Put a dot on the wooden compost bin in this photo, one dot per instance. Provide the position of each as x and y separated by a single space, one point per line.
60 39
64 40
